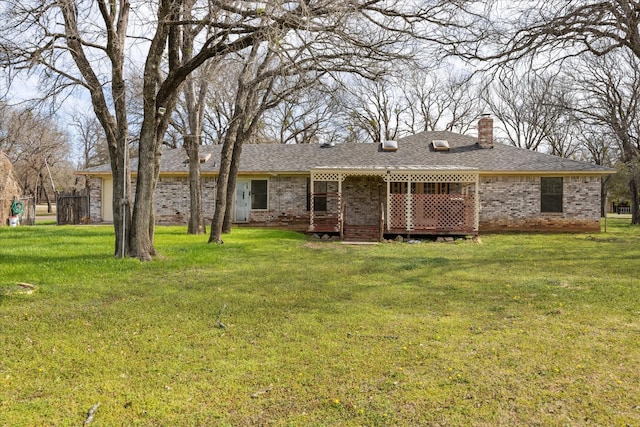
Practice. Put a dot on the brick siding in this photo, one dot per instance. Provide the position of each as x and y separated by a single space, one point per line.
287 206
363 196
508 203
512 203
95 199
171 199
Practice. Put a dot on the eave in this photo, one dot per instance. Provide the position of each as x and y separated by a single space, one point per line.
547 173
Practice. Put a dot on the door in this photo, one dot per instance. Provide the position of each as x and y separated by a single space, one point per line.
242 202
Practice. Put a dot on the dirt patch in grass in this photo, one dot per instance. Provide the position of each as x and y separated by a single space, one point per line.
18 289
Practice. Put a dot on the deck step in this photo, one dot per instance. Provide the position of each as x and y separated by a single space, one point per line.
361 233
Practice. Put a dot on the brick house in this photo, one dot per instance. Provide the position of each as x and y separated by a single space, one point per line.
430 183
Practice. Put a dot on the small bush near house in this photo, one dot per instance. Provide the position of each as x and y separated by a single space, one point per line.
272 328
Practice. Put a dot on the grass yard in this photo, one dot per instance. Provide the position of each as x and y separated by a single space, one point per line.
519 330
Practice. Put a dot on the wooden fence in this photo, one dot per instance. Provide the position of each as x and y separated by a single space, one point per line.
72 208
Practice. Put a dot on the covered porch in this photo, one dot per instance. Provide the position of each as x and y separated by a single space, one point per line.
367 203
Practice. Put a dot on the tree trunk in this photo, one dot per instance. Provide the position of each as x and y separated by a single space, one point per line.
196 219
231 185
121 205
634 186
46 194
195 103
222 184
142 226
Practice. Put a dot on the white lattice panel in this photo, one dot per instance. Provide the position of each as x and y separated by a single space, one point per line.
397 175
442 211
397 212
327 176
437 212
431 177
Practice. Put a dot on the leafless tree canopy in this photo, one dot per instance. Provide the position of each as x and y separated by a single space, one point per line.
499 34
534 110
81 43
38 149
550 29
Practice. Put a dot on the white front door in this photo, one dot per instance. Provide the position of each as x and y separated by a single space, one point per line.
242 202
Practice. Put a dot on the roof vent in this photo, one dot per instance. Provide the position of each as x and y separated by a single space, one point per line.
327 144
389 146
203 158
440 145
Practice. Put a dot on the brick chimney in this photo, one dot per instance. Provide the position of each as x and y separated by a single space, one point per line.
485 131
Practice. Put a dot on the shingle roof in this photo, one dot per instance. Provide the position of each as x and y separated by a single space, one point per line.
414 150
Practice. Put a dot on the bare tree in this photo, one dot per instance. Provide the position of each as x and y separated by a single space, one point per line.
246 113
82 43
267 78
439 99
553 31
220 98
38 150
195 92
306 117
62 42
408 99
531 109
610 95
90 140
596 144
374 109
549 30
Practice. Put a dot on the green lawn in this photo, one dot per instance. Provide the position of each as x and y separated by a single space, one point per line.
522 329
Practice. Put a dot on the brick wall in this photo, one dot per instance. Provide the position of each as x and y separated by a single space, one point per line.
95 199
512 203
508 203
287 201
287 204
171 199
363 196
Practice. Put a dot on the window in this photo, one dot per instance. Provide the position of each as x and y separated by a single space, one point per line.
397 188
428 188
551 194
259 194
401 187
319 197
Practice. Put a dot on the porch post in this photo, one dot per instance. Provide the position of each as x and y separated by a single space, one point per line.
476 220
341 178
388 179
311 201
408 206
